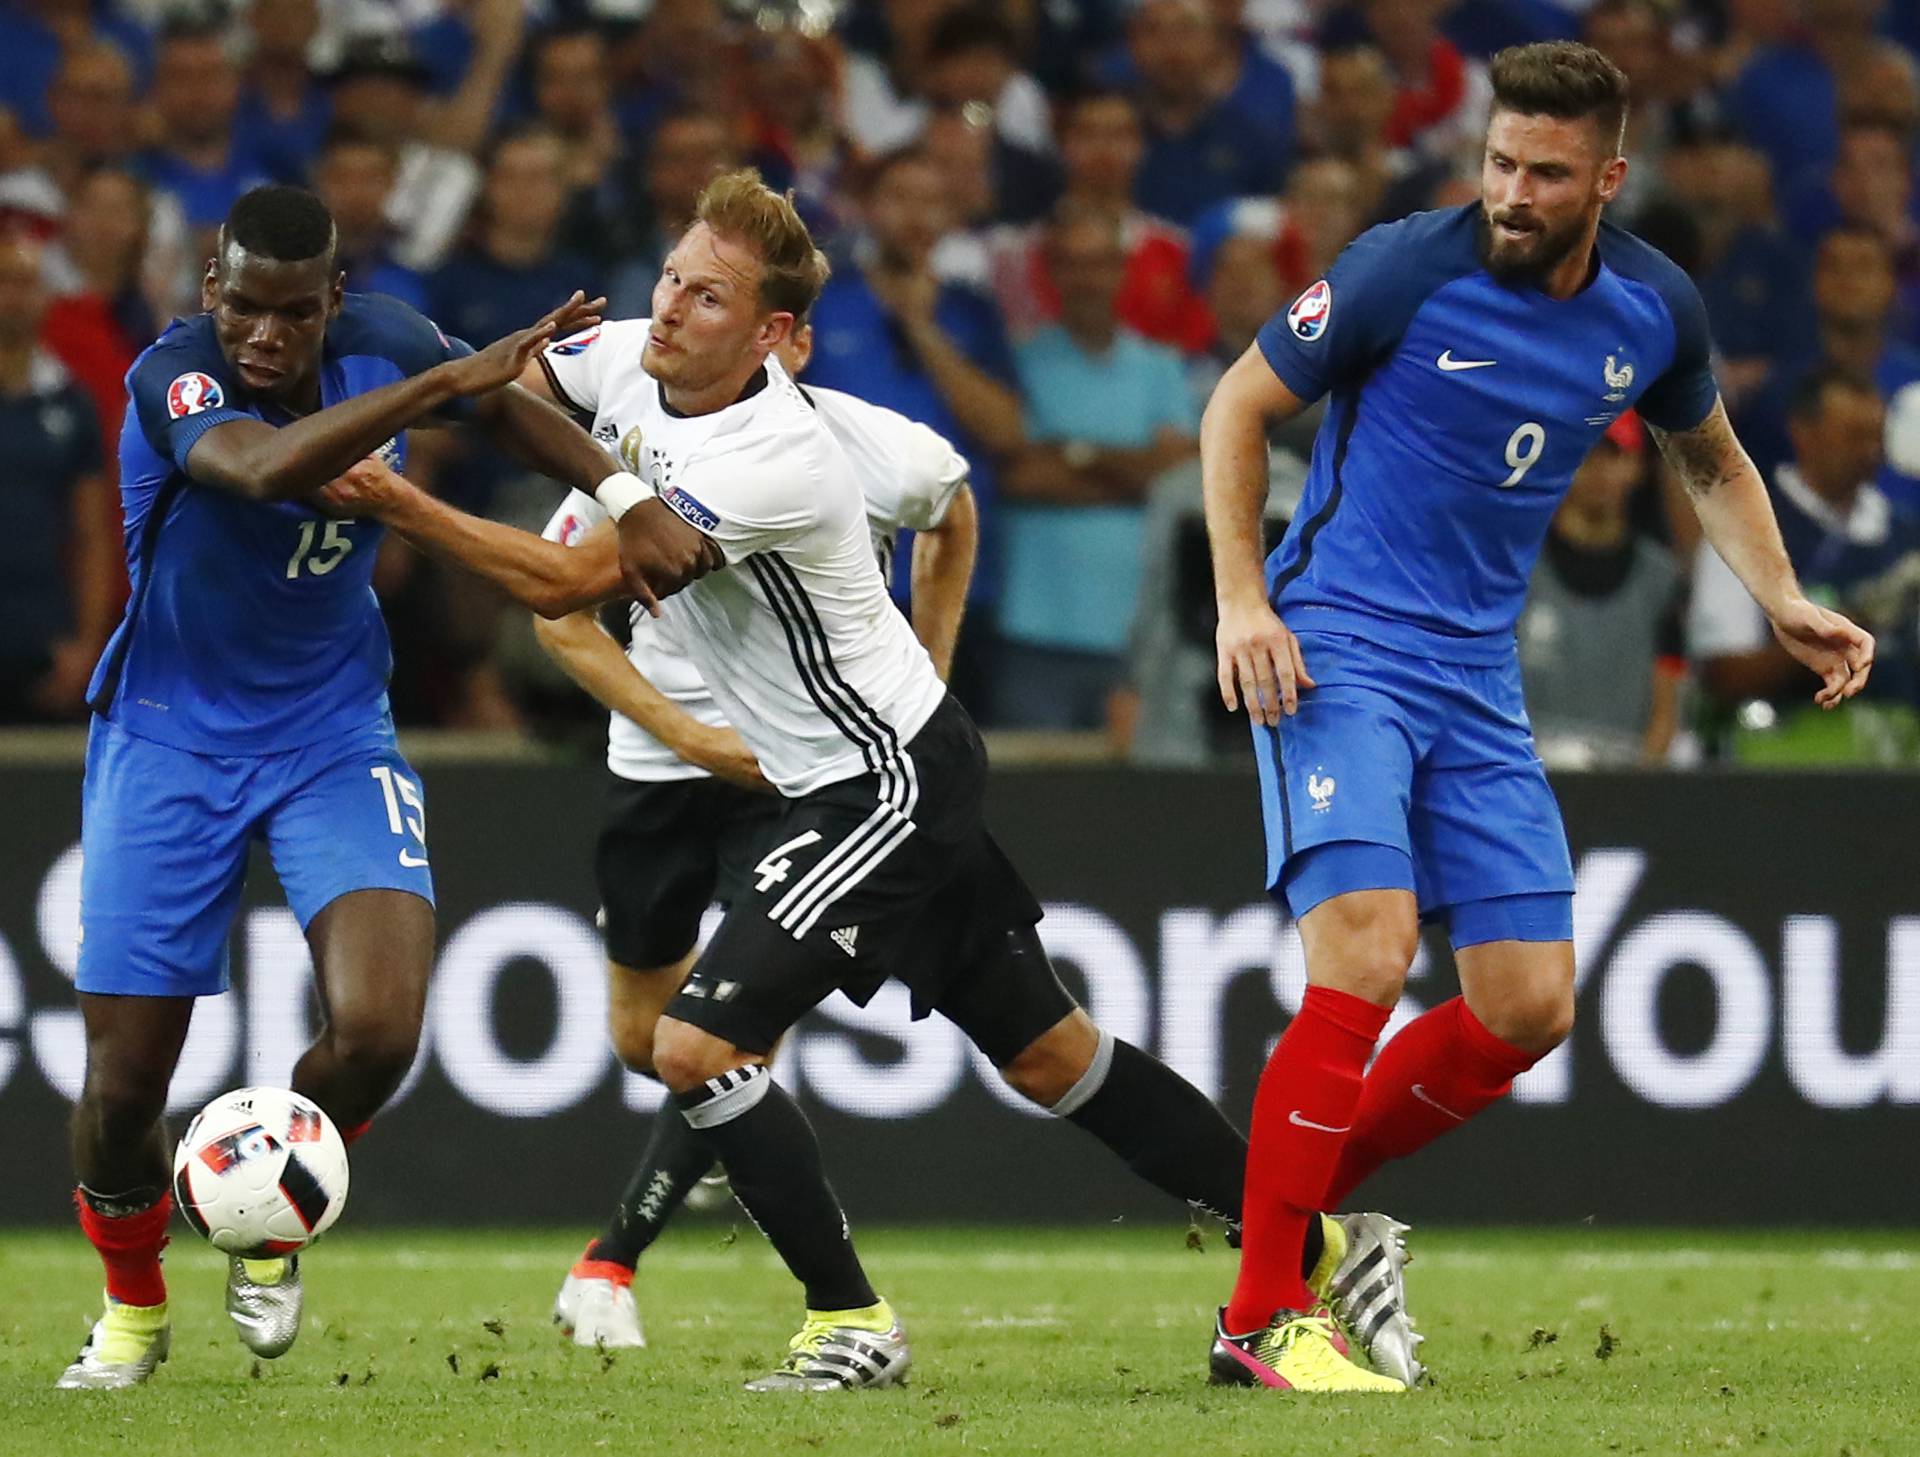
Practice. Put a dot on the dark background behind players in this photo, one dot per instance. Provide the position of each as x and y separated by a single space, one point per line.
1762 145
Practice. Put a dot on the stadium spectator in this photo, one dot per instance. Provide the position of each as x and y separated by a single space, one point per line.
974 61
1600 640
1201 148
1306 226
95 121
886 329
284 112
1753 276
1107 412
380 91
573 96
197 157
514 269
1351 120
1241 277
354 177
1441 96
929 50
688 149
1101 146
1850 546
1784 99
1853 300
791 126
57 554
679 60
36 37
1168 713
106 305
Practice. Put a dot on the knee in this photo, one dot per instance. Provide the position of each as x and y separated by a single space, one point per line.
1366 958
1535 1022
124 1102
377 1051
633 1032
1047 1068
684 1056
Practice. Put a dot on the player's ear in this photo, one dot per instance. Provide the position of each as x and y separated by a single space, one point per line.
775 329
210 285
337 295
1612 175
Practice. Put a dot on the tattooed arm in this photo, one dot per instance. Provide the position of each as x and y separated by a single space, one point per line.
1737 518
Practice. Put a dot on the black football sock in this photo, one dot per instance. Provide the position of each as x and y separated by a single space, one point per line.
675 1160
1161 1126
773 1158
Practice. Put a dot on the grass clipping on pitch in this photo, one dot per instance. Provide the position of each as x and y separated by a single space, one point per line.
1089 1341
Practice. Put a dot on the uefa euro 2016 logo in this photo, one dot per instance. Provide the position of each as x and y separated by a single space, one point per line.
1308 316
191 393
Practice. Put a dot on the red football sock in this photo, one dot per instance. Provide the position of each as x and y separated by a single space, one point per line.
1437 1072
129 1246
1301 1113
351 1136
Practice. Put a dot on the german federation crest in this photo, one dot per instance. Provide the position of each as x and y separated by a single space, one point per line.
1308 316
193 392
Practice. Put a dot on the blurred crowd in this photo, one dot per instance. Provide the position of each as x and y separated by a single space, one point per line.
1053 225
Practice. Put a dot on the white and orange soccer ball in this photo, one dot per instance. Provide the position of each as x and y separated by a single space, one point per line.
261 1172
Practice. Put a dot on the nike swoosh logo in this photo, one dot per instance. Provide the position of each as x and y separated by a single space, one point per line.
1451 365
411 860
1295 1118
1427 1098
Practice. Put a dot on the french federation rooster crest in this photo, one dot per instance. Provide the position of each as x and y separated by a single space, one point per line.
1321 787
1619 379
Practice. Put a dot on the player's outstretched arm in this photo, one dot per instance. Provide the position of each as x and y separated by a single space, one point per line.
942 570
267 463
587 653
527 427
551 579
1737 518
1258 658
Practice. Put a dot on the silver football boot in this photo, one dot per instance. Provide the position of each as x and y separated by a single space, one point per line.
1369 1295
264 1299
122 1350
829 1357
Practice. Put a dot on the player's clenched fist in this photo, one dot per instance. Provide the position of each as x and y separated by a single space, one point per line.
1259 662
365 489
660 553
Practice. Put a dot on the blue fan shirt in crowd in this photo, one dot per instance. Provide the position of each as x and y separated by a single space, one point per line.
1072 573
244 694
1460 408
859 349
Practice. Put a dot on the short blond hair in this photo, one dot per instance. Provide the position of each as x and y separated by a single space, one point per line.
740 207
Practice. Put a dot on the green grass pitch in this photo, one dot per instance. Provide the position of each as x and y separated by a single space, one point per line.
1055 1341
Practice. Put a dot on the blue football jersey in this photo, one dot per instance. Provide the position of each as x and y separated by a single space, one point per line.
1460 408
251 627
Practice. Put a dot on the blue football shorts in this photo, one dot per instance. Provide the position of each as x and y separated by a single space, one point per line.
1405 773
165 835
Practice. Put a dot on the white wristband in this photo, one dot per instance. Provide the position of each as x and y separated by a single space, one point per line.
621 492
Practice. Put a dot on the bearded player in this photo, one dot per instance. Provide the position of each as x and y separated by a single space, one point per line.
242 699
1473 357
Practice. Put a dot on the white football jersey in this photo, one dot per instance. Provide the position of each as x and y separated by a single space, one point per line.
795 642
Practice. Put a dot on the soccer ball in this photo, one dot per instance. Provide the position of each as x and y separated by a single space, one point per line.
261 1172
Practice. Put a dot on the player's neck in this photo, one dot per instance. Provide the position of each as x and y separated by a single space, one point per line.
737 386
1573 272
